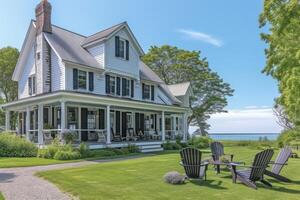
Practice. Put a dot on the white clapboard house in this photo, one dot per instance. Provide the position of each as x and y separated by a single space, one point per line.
95 86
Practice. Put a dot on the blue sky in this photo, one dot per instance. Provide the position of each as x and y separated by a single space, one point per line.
226 32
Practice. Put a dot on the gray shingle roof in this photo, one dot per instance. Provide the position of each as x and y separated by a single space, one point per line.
68 45
102 34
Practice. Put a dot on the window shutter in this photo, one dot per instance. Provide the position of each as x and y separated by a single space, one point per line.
123 87
107 87
117 46
132 88
152 92
33 85
91 81
118 86
30 86
127 50
101 119
143 91
75 79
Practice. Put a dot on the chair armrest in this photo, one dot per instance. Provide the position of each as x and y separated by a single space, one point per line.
274 163
202 164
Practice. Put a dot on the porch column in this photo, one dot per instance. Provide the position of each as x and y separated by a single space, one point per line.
27 123
174 124
185 126
7 120
40 124
79 123
62 117
163 134
108 140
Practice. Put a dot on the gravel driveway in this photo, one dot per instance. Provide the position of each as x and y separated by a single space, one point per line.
21 184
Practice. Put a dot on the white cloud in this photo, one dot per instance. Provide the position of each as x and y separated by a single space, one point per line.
195 35
249 120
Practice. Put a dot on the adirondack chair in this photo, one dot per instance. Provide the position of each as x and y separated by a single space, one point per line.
192 164
217 150
255 172
279 163
115 137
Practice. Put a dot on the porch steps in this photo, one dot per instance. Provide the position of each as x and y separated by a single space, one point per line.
146 148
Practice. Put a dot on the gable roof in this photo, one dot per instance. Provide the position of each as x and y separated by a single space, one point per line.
109 32
68 47
102 34
179 89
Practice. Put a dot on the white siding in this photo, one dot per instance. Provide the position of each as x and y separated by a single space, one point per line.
29 69
131 66
162 98
98 53
58 73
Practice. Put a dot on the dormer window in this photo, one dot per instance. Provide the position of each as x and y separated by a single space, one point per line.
148 92
121 48
81 79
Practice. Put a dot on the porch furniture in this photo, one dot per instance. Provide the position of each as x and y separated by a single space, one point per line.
192 164
101 136
156 136
48 137
130 135
115 137
141 135
279 163
255 172
217 150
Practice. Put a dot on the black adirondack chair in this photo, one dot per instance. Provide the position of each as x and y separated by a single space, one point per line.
192 164
255 172
217 150
279 163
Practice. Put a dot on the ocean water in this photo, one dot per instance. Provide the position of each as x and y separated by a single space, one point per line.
243 136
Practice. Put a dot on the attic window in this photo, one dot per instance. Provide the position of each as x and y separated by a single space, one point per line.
121 48
38 55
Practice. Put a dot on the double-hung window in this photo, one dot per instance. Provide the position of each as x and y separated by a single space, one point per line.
121 48
148 92
112 84
81 79
31 85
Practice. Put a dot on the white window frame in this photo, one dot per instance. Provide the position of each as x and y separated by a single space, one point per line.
115 85
86 80
124 48
150 92
33 85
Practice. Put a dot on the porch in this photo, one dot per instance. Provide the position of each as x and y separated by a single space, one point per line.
88 123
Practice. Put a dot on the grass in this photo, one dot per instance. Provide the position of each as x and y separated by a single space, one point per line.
1 197
33 161
142 179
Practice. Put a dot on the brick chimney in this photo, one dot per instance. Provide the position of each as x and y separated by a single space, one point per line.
43 17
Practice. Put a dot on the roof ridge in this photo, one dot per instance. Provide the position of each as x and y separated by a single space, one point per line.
124 22
64 29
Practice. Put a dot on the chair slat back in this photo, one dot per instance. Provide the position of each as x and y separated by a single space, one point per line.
192 157
217 149
282 158
260 164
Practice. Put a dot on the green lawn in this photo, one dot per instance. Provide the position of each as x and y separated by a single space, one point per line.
142 179
33 161
26 162
1 197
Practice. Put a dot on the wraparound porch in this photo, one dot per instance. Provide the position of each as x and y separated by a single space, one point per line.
42 122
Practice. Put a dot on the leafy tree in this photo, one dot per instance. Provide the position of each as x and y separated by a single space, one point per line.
8 87
8 60
175 65
283 51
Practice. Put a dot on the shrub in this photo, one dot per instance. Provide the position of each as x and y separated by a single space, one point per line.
14 146
69 136
132 148
66 155
171 146
200 142
103 153
288 137
84 150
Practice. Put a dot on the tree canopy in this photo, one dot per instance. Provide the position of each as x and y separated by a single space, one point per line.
8 60
282 19
175 65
